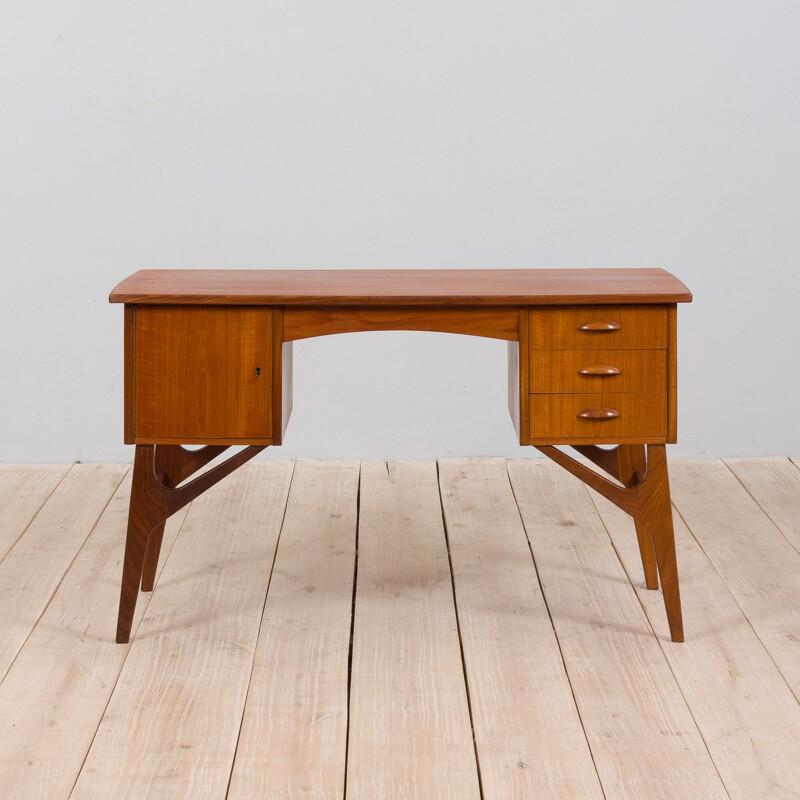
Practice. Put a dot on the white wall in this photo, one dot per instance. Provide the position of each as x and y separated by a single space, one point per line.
407 134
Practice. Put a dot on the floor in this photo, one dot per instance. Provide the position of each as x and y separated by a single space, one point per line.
474 628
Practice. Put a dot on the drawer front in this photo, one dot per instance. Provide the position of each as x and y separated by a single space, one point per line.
202 373
607 416
598 371
639 327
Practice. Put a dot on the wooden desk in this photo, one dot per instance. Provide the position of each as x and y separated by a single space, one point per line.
591 361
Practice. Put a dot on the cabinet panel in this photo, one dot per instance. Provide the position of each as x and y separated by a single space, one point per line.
203 373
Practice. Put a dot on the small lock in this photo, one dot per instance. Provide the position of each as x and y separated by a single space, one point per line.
258 372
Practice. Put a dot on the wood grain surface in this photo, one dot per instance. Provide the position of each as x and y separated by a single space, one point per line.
161 718
171 728
410 734
727 521
639 328
643 738
407 287
24 488
301 322
557 371
672 374
641 416
519 399
294 730
774 483
33 568
203 374
73 661
743 707
527 732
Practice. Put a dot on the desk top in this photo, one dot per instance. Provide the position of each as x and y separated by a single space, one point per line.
400 287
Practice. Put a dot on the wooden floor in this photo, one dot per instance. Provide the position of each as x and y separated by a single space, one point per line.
469 629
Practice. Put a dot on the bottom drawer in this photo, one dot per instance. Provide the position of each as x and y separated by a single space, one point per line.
607 417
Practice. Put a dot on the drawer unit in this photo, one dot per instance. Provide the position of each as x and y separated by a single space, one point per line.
598 328
203 374
598 418
602 374
598 371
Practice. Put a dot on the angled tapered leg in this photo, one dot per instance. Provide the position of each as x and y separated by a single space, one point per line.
655 512
151 557
171 464
646 499
632 467
143 516
156 495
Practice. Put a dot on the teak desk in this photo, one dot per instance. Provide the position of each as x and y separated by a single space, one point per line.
591 361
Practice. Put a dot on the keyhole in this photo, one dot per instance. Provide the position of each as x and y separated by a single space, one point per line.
258 372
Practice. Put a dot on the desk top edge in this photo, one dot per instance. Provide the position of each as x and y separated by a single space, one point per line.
401 287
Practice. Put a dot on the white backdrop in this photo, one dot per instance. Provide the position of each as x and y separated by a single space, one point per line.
416 134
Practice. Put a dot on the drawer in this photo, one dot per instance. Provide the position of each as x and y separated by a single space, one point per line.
639 327
598 371
558 416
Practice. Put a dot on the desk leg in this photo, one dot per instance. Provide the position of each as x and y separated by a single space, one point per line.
146 514
155 496
172 464
151 554
632 467
655 513
645 496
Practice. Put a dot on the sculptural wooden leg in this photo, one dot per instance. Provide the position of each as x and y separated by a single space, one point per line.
171 465
151 554
646 499
156 494
632 467
655 512
143 516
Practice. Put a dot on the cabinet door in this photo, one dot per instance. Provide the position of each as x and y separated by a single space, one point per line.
202 374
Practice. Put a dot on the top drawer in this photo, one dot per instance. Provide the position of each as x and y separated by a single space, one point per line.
640 327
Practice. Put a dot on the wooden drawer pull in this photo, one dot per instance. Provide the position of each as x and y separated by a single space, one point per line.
598 413
600 327
599 369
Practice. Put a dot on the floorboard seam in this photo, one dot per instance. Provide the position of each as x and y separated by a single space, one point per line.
758 503
261 618
164 558
352 632
458 631
660 644
36 513
738 604
64 574
555 636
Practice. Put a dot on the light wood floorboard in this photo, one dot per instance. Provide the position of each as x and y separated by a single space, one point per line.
294 734
73 662
752 555
409 719
35 565
171 727
23 491
774 483
641 732
743 707
529 738
242 680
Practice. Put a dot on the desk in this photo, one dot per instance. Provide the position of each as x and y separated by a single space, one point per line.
591 361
